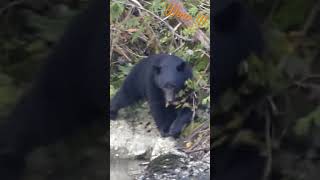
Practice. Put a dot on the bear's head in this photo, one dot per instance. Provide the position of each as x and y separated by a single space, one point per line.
171 73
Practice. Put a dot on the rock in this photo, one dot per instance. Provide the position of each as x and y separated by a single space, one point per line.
171 166
164 146
137 143
135 140
137 137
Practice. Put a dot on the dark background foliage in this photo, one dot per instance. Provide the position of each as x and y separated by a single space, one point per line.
280 93
28 31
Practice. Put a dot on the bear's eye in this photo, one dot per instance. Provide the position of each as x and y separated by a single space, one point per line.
157 69
181 66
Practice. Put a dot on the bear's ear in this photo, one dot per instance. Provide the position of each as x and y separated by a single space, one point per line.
157 69
181 66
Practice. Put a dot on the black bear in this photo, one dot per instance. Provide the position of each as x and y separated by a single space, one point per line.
157 79
71 91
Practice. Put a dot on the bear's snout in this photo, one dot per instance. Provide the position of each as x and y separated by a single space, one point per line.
169 93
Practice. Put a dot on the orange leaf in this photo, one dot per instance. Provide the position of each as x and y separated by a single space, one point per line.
132 30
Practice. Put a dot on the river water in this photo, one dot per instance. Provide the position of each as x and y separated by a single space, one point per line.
124 169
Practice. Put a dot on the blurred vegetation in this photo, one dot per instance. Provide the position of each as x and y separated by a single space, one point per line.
276 107
28 31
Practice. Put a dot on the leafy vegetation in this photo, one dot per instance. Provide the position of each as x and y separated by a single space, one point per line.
138 31
279 94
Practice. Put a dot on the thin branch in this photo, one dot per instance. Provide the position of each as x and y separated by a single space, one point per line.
311 18
269 146
9 5
168 25
275 5
197 150
119 50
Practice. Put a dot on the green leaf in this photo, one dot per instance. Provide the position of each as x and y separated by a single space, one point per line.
157 5
136 35
132 22
206 100
5 80
112 90
116 10
193 11
292 13
229 99
247 137
304 124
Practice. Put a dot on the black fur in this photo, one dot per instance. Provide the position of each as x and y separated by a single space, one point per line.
157 79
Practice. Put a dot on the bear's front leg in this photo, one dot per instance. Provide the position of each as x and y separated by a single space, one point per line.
122 99
183 119
163 116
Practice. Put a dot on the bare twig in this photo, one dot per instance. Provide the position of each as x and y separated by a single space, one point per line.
197 150
311 76
273 105
199 35
119 50
9 5
195 132
137 55
181 45
273 9
311 18
168 25
269 146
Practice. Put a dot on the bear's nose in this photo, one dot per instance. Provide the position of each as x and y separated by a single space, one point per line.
170 86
